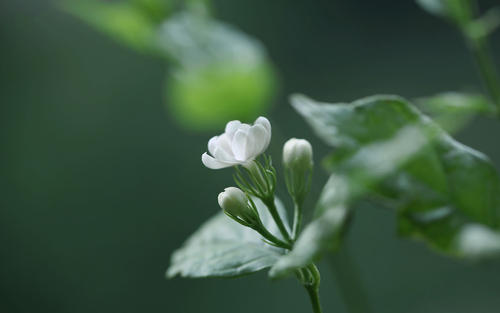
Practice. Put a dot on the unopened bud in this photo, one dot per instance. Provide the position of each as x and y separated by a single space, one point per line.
297 154
298 163
235 204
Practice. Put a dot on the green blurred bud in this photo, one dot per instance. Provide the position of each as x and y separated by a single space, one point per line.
298 163
236 205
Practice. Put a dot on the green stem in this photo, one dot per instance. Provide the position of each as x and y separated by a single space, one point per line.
267 235
482 55
349 282
484 61
297 219
314 296
312 286
277 218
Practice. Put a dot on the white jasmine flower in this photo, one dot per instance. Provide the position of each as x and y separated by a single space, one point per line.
239 144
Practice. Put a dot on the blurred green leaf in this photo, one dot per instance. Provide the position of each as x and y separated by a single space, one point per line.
458 11
473 203
221 73
223 248
216 73
208 97
156 10
453 110
443 192
132 23
485 25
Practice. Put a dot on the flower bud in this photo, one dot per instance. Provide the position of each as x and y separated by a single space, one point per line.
235 204
298 163
297 154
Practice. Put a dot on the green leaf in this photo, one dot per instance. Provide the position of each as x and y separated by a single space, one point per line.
129 22
473 203
454 110
387 150
223 248
221 73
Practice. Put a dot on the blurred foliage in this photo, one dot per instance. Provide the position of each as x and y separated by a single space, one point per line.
444 193
458 11
89 162
216 73
461 13
453 110
220 74
206 98
132 23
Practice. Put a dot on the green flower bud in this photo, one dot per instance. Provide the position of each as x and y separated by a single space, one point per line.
298 163
236 205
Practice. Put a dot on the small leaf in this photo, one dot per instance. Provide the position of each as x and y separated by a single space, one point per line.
224 248
453 110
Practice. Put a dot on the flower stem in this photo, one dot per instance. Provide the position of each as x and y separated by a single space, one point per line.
297 219
314 296
277 218
484 61
311 283
349 282
480 49
267 235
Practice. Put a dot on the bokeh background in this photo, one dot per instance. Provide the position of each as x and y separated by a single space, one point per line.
99 184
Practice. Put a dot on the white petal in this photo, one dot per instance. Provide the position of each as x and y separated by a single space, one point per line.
251 151
224 143
267 140
223 155
212 144
212 163
259 137
264 122
231 128
267 125
244 127
240 145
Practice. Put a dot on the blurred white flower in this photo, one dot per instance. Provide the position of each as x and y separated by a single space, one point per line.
239 144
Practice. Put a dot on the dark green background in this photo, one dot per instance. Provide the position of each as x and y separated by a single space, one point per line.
99 185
